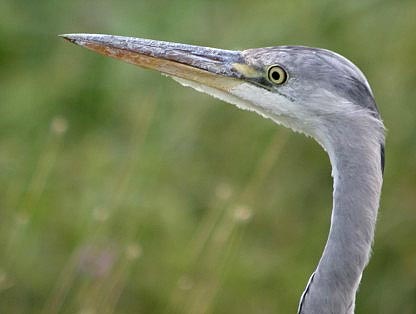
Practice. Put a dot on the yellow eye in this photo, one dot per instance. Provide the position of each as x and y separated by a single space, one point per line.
276 74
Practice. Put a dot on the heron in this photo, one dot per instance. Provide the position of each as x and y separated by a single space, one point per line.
309 90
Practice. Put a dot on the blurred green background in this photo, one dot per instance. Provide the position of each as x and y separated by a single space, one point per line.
123 192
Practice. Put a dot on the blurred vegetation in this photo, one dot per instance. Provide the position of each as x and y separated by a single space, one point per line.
123 192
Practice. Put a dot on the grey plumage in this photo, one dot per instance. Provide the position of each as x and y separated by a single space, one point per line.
323 95
319 68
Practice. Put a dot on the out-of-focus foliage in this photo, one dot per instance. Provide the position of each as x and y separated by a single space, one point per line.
123 192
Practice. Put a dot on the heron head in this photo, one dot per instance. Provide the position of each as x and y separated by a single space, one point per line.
310 90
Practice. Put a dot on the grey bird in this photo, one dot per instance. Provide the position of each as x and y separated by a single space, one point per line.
310 90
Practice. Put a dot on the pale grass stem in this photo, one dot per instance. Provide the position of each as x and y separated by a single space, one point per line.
219 235
101 294
32 195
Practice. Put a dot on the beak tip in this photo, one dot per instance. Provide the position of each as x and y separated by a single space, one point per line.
69 37
77 39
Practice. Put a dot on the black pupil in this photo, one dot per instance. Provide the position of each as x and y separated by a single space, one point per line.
275 75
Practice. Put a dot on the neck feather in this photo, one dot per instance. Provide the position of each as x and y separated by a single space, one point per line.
356 164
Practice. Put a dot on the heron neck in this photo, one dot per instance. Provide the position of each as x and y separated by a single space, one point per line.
357 186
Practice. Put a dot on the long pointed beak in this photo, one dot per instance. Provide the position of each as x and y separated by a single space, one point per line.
216 68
